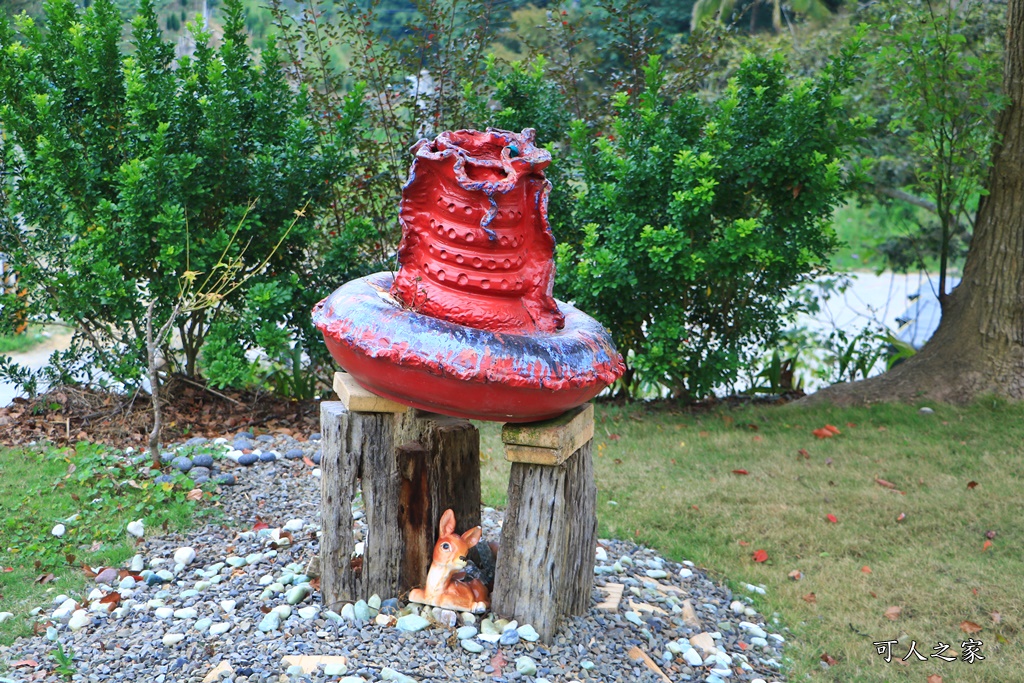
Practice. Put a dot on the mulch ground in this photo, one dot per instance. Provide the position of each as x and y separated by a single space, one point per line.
67 415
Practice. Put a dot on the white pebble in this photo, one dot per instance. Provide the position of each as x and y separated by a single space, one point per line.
184 556
600 554
172 639
294 525
316 472
685 573
692 657
79 620
138 530
4 616
58 530
221 628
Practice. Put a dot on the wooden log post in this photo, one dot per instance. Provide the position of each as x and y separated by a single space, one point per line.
545 568
411 466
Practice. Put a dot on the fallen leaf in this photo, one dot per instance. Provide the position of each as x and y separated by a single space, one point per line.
315 583
260 525
971 484
111 600
195 495
832 518
308 462
902 516
990 534
803 452
823 433
614 437
893 613
828 461
969 627
6 569
740 472
760 555
45 578
851 425
829 659
934 678
796 575
498 661
996 617
833 429
25 662
810 598
743 543
703 434
758 438
866 569
986 546
886 484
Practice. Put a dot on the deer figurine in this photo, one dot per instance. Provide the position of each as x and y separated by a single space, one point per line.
447 586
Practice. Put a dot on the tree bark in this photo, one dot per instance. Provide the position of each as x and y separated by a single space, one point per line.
978 348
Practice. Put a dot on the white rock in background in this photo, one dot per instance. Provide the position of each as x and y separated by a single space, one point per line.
58 530
692 658
173 639
600 554
685 573
4 616
294 525
184 556
737 607
66 609
138 530
79 620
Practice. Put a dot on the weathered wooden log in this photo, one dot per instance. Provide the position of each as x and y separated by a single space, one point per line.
546 563
411 466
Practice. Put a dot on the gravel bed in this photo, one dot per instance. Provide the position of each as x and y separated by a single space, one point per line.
232 602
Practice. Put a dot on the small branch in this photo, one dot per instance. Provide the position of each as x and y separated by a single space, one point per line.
186 380
902 196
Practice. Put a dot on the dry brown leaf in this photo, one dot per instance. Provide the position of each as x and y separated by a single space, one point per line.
893 613
796 575
969 627
829 659
934 678
810 597
195 495
996 617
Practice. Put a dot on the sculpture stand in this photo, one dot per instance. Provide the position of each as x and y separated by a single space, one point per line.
412 466
545 567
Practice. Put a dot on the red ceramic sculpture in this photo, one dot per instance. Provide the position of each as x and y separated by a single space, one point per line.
447 587
468 327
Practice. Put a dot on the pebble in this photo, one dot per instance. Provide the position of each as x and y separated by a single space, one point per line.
466 632
692 657
412 622
471 646
221 628
184 556
58 530
248 459
508 637
182 464
172 639
137 530
335 669
300 593
202 460
270 622
526 666
79 620
361 610
294 525
389 674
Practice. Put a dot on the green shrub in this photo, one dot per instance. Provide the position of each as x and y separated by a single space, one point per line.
128 174
699 218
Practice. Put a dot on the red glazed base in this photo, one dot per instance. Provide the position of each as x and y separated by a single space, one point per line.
495 402
448 368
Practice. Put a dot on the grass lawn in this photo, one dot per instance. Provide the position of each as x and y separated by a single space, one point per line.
19 343
670 476
94 492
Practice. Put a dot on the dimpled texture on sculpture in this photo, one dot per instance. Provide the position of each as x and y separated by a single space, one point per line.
476 248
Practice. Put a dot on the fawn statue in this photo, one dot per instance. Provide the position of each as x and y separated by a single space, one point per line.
448 586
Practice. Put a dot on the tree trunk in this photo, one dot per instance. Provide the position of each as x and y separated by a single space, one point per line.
979 345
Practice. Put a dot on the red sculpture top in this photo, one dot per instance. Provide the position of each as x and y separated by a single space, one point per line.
476 246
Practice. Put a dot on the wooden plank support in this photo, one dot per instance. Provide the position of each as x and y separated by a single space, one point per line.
411 466
546 563
360 400
549 442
